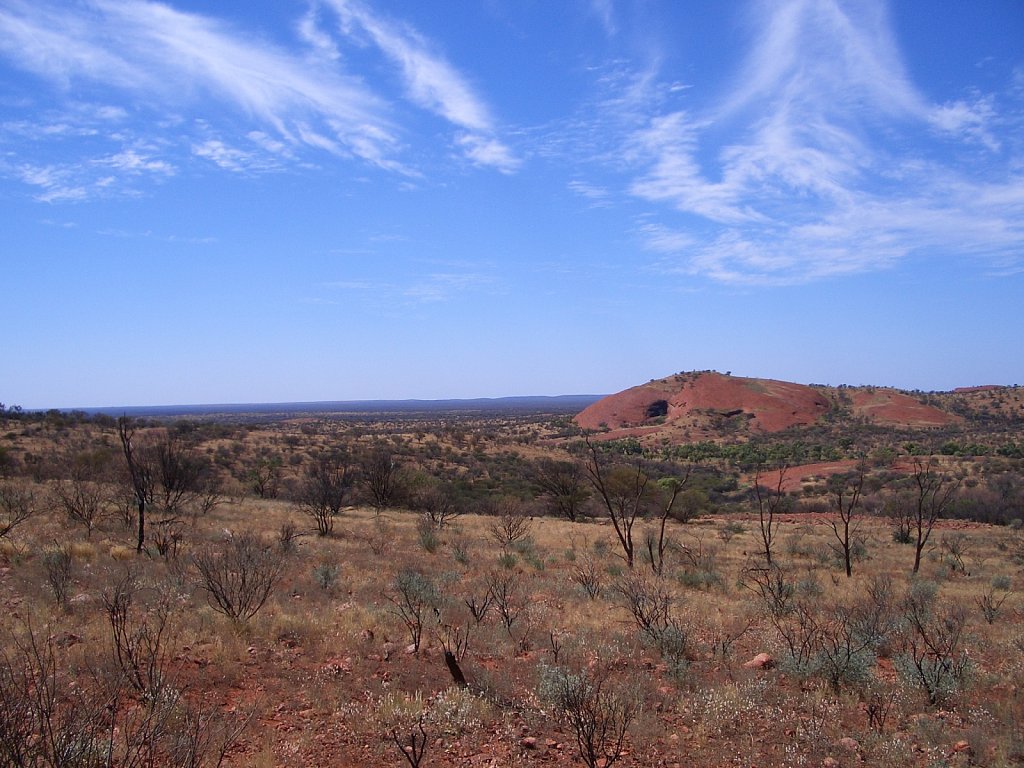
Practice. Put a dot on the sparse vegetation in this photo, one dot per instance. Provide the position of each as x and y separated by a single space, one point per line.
463 603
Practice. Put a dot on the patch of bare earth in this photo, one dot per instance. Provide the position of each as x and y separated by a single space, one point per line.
890 408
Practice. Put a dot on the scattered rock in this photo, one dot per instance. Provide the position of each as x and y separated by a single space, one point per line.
528 742
849 744
963 746
761 661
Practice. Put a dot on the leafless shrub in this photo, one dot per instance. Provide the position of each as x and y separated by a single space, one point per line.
598 715
588 575
454 638
57 563
624 493
203 735
772 585
83 501
728 631
729 530
511 523
933 493
880 701
844 655
479 605
414 597
933 655
556 641
324 489
382 478
437 503
992 600
427 533
875 616
17 504
55 714
563 485
700 562
772 501
412 741
954 548
43 720
167 537
800 632
140 636
506 589
209 496
238 576
287 536
649 601
380 538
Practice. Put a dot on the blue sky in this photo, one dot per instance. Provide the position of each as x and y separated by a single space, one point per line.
280 200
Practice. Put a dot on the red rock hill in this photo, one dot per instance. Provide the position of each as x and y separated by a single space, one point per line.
709 404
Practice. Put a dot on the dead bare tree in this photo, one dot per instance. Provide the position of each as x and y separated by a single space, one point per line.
935 490
17 505
771 501
140 474
623 491
845 499
165 476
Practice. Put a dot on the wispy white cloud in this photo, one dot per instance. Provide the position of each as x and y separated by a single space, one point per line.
310 31
439 287
663 239
228 158
55 184
971 121
135 162
599 197
114 174
170 59
490 152
792 175
427 288
604 12
431 82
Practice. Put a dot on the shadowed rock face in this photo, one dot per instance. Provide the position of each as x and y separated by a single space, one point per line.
709 402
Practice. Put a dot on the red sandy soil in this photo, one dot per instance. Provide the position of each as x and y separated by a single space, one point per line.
888 407
796 477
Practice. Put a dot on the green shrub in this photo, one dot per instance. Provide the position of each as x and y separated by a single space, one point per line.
326 574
